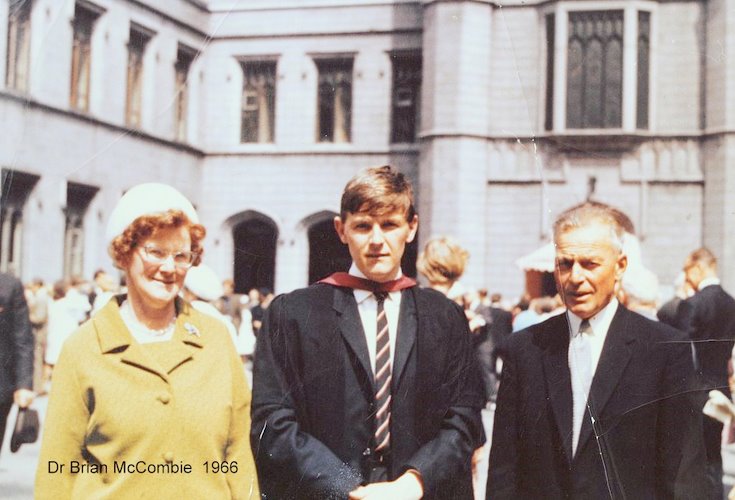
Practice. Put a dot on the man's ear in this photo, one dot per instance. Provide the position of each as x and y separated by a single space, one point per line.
413 225
339 226
621 265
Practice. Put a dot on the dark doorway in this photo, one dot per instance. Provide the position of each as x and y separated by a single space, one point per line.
410 254
255 254
327 254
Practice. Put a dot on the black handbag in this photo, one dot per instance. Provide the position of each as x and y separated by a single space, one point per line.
26 428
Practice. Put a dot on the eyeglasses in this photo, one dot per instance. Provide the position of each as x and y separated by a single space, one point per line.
155 255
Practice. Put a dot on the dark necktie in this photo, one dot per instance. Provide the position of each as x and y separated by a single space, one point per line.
382 376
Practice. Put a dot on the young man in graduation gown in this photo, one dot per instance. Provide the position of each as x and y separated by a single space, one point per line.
365 386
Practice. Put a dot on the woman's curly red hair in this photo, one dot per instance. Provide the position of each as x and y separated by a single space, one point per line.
146 226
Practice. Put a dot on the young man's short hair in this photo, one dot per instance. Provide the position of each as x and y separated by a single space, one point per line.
377 190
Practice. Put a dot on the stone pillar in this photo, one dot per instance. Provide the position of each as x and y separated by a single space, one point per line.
292 259
455 125
719 145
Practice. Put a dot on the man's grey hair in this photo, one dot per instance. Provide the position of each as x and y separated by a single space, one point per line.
590 213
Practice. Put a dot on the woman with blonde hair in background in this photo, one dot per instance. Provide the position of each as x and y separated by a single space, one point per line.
149 398
442 262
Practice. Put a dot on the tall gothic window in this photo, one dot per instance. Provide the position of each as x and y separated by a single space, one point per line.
644 49
334 100
595 69
595 92
184 57
81 57
258 101
78 198
138 40
405 107
19 44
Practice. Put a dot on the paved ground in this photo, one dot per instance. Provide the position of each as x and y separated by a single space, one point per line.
17 470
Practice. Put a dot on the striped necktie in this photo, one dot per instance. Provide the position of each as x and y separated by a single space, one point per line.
382 376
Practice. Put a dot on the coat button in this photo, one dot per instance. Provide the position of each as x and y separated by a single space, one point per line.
168 456
164 398
366 452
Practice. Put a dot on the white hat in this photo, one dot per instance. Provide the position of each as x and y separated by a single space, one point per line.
146 199
203 282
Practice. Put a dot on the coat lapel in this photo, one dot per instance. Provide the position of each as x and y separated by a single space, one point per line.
406 334
186 341
616 351
350 326
115 339
558 379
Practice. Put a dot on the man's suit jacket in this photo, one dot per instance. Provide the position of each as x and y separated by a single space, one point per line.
490 347
16 338
644 441
313 396
708 317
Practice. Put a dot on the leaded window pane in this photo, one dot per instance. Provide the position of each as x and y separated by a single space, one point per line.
405 107
595 69
550 60
644 47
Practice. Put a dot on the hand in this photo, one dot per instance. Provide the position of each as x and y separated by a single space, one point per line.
407 487
23 397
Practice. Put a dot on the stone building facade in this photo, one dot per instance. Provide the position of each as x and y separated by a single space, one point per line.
503 114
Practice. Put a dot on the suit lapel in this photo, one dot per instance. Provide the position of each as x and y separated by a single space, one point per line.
115 340
406 334
616 352
558 379
187 339
350 326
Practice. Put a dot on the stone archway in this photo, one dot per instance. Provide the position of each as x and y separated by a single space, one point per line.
327 254
254 238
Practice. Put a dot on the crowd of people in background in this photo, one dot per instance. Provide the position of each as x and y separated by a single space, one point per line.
598 269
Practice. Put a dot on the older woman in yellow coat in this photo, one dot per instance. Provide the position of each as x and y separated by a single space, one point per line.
149 398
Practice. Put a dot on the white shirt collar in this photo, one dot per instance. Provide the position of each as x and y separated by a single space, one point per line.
599 323
361 295
708 282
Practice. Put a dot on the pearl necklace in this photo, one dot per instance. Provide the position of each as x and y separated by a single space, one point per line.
128 314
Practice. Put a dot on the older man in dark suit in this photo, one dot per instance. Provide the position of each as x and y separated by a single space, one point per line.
366 386
595 403
16 353
708 317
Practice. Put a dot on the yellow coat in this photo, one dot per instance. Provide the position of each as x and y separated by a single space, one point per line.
138 416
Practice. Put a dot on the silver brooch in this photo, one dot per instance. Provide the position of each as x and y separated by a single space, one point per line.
191 329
